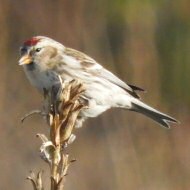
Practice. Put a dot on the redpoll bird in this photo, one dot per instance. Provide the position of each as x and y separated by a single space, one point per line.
45 61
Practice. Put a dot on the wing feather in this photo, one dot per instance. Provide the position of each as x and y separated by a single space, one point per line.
91 66
115 80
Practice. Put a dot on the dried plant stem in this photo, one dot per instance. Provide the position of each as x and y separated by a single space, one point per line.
31 114
61 109
54 168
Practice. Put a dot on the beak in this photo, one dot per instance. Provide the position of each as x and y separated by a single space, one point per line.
24 60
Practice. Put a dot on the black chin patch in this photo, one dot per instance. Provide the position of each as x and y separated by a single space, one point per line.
31 66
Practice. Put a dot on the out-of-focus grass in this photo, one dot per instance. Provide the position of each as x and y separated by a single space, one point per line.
144 43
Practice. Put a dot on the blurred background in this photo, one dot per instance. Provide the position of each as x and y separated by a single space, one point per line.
145 43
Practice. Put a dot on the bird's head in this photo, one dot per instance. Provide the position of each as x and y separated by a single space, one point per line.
39 51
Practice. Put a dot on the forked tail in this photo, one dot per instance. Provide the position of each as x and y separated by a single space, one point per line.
152 113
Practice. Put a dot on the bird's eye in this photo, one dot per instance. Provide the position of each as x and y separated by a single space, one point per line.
38 49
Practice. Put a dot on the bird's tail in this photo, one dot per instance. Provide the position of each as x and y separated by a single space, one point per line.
152 113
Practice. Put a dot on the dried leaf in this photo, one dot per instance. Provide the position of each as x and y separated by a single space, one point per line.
42 137
36 180
47 151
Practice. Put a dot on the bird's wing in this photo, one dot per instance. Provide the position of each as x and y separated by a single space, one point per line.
91 66
115 80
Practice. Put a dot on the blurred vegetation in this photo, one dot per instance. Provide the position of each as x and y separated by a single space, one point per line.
145 43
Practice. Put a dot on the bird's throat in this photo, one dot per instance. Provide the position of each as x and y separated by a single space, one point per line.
30 66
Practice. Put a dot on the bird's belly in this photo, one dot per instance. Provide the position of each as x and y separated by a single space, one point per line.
100 98
100 94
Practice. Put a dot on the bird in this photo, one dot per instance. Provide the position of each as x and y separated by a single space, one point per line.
45 61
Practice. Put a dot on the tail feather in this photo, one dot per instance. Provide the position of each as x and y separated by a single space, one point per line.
152 113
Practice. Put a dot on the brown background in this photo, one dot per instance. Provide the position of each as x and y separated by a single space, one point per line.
146 43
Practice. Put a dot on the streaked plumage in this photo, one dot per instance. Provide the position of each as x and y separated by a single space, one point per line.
44 60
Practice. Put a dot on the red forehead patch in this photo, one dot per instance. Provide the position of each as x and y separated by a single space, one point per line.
31 42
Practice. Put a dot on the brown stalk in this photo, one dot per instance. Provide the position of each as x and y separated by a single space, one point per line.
61 109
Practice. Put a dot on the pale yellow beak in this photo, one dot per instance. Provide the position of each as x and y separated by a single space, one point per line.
24 60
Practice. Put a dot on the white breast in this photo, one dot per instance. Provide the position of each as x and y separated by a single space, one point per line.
41 79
